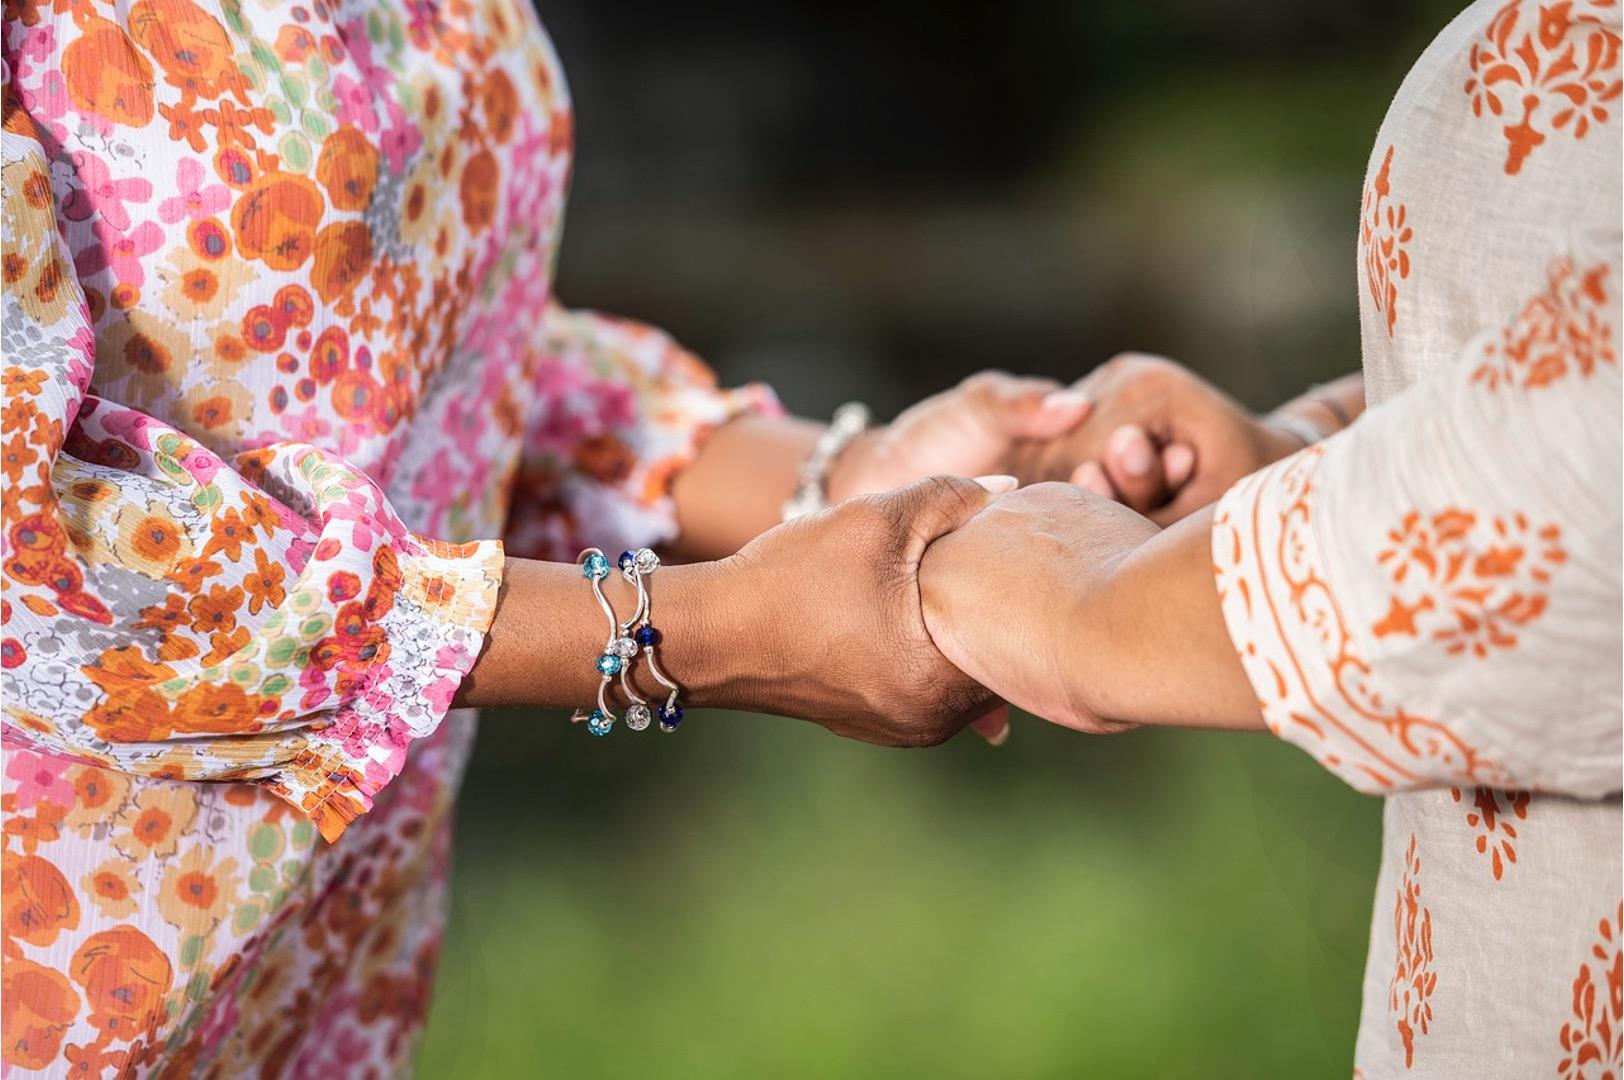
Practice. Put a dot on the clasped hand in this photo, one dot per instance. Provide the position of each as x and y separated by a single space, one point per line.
909 613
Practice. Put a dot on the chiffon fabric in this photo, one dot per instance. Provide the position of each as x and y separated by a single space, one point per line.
280 356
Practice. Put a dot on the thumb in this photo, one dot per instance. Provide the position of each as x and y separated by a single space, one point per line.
937 505
1025 408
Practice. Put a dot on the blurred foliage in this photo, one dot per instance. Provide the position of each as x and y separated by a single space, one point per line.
872 205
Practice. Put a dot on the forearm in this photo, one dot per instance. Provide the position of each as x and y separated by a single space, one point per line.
1152 647
1330 407
548 630
735 489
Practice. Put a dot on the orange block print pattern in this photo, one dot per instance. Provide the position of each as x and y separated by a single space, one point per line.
1545 69
1468 580
1491 817
1316 685
1564 332
1384 238
1409 995
1593 1039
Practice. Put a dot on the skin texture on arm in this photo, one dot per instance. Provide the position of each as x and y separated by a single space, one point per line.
1080 611
735 489
818 618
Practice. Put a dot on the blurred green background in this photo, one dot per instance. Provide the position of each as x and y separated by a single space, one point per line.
873 204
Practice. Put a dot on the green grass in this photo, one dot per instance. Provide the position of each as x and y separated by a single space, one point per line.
753 898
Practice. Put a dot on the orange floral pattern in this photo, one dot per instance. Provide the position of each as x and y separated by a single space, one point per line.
1384 241
1564 332
1427 602
265 409
1467 580
1315 683
1545 68
1491 818
1593 1039
1409 993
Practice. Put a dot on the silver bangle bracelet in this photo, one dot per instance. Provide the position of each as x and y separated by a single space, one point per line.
1298 426
626 640
812 485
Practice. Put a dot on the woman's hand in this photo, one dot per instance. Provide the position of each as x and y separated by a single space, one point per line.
825 614
1004 595
979 427
1082 612
1160 439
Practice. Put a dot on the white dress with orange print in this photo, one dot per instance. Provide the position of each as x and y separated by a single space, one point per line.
1429 603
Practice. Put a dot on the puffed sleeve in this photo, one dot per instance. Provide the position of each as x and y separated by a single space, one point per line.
168 612
1431 598
621 409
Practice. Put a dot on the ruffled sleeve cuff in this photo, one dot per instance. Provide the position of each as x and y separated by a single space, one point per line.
444 597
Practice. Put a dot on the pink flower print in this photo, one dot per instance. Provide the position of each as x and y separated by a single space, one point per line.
617 405
195 200
439 693
400 139
98 190
47 103
355 104
36 47
121 251
131 426
359 511
39 777
307 426
82 365
202 464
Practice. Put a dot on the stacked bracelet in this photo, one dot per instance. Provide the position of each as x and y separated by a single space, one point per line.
635 567
626 639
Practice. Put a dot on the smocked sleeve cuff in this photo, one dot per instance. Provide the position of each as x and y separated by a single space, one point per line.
432 632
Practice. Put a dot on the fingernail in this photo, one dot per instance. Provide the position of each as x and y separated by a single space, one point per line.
1090 477
1069 398
1000 738
1178 460
1133 450
998 484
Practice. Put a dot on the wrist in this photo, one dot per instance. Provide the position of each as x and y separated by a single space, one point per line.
1155 648
854 469
1098 665
705 627
1278 436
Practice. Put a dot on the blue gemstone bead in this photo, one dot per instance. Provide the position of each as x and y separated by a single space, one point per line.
627 558
599 723
609 664
595 568
671 716
647 636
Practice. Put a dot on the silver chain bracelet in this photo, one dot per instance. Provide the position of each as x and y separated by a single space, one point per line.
812 485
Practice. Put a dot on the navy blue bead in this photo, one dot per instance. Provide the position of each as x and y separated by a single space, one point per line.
626 559
647 636
670 715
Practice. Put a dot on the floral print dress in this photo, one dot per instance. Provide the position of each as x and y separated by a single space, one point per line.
280 365
1429 602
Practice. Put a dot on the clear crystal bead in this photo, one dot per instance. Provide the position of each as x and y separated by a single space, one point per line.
625 648
647 561
639 717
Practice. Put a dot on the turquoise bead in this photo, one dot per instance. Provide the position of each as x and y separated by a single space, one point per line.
609 664
599 723
595 567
